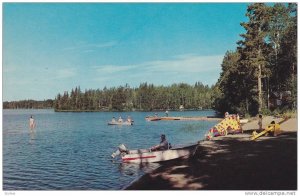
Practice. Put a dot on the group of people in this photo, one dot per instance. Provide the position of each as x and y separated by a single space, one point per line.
227 115
121 119
237 116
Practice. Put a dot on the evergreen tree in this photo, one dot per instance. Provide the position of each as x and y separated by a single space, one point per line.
252 60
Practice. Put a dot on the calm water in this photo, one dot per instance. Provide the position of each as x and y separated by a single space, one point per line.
71 151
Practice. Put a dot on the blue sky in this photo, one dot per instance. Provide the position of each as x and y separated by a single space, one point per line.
52 48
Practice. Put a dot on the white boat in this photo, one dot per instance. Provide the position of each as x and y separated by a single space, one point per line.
148 156
120 123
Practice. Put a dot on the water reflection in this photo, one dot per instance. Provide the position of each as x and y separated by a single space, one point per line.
32 136
135 169
77 147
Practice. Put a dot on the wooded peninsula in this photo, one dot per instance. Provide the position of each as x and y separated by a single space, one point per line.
259 76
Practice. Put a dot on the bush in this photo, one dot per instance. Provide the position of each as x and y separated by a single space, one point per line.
290 114
266 112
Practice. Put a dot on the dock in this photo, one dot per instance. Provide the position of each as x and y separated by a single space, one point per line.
193 118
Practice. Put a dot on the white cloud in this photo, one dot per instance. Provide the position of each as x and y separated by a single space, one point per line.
110 69
89 46
66 73
183 68
185 64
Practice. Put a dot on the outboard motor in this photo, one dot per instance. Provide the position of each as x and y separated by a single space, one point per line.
121 149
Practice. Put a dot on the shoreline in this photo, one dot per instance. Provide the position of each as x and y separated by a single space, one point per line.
232 162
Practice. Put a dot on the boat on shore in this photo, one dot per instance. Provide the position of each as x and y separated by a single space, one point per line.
148 156
120 123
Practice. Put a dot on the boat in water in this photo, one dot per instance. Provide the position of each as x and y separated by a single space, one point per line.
152 118
148 156
120 123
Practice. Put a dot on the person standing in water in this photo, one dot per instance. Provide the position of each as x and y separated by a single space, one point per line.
167 113
31 123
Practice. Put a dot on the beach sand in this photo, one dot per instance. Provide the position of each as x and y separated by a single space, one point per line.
233 162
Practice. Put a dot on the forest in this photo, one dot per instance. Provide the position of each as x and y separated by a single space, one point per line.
28 104
146 97
260 75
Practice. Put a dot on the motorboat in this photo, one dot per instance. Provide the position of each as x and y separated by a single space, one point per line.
148 156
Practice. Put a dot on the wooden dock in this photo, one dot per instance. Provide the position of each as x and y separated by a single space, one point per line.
193 118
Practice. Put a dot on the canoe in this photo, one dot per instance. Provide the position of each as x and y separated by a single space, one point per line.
148 156
120 123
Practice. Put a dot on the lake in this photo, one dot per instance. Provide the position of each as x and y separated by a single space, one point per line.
71 151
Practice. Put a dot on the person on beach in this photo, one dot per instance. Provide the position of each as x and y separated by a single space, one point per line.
163 145
226 114
31 123
260 122
238 118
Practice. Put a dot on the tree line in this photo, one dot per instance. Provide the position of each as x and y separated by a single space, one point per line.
261 69
147 97
263 64
28 104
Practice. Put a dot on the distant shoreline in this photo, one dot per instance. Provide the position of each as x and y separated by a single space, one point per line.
135 110
186 110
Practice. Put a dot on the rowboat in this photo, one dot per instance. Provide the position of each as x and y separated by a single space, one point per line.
148 156
120 123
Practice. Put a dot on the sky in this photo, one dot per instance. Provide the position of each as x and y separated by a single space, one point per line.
49 48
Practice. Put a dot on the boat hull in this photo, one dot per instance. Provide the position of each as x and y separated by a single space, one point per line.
153 118
120 123
145 156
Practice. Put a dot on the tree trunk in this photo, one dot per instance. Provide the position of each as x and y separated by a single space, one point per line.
259 89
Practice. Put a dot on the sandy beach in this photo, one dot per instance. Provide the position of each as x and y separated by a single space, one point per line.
233 162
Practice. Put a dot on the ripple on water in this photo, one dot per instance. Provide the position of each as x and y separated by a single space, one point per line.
71 151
